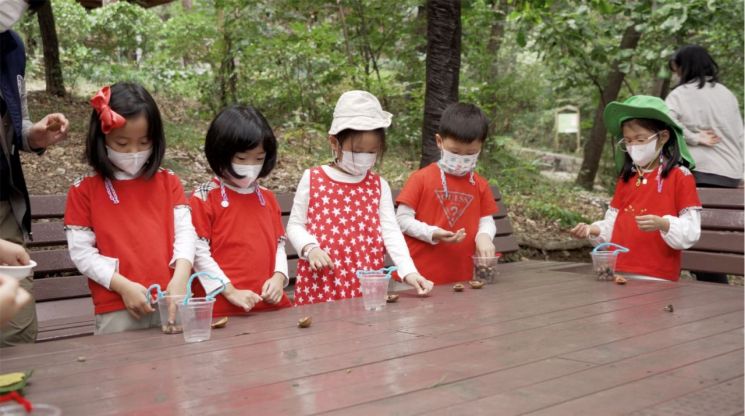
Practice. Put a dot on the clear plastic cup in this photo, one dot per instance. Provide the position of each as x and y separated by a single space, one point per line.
38 409
604 264
196 319
170 318
374 286
485 269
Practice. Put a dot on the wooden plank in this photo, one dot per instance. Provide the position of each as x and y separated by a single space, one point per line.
506 244
52 261
452 394
712 262
47 234
647 370
60 287
504 226
600 326
47 206
719 399
721 241
721 198
722 219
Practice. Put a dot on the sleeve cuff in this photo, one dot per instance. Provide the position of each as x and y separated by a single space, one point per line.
406 268
104 270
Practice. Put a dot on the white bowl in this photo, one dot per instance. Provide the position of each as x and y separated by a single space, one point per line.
19 272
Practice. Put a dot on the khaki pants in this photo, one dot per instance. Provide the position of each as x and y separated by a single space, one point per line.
120 321
23 328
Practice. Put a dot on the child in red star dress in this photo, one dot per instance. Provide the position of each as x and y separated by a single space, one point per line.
128 223
241 240
655 211
342 217
445 209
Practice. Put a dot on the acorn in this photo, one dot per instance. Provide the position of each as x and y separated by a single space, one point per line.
668 308
220 323
475 284
304 322
458 287
392 298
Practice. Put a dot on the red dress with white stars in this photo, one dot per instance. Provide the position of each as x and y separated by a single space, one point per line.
345 219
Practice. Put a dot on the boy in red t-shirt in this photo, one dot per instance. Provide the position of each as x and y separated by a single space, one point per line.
445 209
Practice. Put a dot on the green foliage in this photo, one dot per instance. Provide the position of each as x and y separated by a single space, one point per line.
293 58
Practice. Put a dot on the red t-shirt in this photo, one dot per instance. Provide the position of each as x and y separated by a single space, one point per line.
243 240
463 206
649 255
138 231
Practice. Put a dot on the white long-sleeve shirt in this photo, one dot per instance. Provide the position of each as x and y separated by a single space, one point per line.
684 231
204 262
393 239
420 230
81 243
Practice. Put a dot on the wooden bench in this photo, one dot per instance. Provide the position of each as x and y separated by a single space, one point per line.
722 244
63 300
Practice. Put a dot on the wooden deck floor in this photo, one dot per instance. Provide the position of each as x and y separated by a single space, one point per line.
547 339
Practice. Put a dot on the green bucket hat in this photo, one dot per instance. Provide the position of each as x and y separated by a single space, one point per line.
643 106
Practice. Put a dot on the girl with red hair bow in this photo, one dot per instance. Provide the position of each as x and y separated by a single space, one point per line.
128 223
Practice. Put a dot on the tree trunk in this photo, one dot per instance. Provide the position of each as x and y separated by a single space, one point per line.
50 44
496 35
226 75
596 142
186 4
661 87
443 68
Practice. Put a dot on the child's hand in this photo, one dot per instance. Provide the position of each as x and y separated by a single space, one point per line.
245 299
272 291
484 246
422 285
318 259
13 254
134 295
583 230
652 223
448 236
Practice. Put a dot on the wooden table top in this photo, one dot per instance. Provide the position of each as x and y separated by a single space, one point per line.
546 339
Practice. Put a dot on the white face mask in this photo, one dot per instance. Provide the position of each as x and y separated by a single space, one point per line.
356 164
643 154
131 163
11 12
250 174
458 165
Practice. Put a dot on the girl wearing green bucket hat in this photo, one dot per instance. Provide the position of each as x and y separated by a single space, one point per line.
655 210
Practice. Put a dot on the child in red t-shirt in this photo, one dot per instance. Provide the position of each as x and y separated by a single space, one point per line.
655 211
445 209
128 223
238 222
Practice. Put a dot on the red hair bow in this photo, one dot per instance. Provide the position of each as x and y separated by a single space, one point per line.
110 119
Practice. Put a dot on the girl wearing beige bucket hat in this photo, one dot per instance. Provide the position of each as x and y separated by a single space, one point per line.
342 218
655 211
